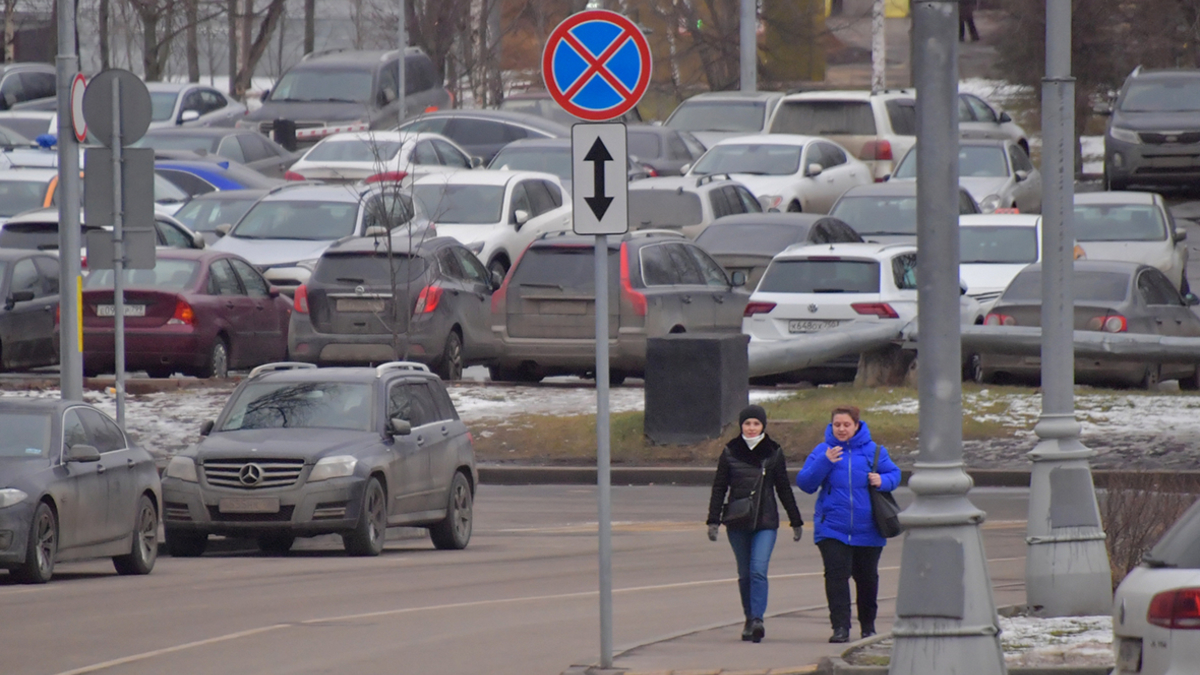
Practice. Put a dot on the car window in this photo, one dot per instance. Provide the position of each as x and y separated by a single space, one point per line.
419 74
645 145
665 208
221 279
964 110
445 406
1165 288
12 90
832 155
677 150
48 268
554 192
685 265
983 112
231 148
1089 285
252 281
411 402
820 276
472 269
423 153
21 195
172 236
448 262
904 271
461 204
204 215
1180 546
761 159
25 277
167 275
694 146
824 118
1150 293
389 210
389 83
539 196
300 219
435 125
255 148
450 155
466 131
656 266
902 113
749 203
102 432
38 85
73 431
26 434
997 244
712 272
1020 160
520 200
966 204
189 183
212 100
1118 222
720 204
818 234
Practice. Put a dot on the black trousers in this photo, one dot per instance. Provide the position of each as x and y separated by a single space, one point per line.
841 563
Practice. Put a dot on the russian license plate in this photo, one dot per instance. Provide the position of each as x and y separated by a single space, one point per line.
1129 655
563 307
809 325
111 310
245 505
359 305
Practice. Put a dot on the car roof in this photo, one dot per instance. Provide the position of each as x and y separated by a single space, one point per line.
28 65
360 374
173 86
31 404
685 183
1122 266
734 96
303 192
356 56
24 173
862 250
849 94
28 114
204 132
229 195
1003 219
1165 73
480 177
513 116
572 240
368 136
7 254
401 243
983 141
1115 197
50 214
202 254
884 189
781 218
555 143
771 139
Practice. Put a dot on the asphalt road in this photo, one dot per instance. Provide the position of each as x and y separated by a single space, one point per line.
520 599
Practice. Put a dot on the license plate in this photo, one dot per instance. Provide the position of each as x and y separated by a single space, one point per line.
359 305
1129 655
563 307
809 325
240 505
1172 162
111 310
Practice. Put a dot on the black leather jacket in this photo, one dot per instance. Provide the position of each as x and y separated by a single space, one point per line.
737 473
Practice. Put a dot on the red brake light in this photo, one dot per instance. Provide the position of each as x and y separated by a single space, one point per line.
636 299
428 300
879 309
183 316
753 308
1177 609
876 150
650 171
387 176
292 175
57 315
300 300
999 320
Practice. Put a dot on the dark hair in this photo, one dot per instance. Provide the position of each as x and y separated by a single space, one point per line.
850 410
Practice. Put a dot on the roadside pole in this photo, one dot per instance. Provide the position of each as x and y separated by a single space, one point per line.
946 619
1066 568
878 46
118 239
748 31
603 457
70 331
402 38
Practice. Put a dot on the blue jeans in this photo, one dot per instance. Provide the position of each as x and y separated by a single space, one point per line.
752 548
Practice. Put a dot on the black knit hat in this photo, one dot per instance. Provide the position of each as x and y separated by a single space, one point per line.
753 412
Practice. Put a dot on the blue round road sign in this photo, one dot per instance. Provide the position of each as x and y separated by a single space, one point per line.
596 65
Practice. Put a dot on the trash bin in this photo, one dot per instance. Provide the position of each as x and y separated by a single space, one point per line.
695 384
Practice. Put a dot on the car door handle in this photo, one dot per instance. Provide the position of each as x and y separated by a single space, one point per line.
445 431
687 299
229 304
99 468
719 298
130 463
420 440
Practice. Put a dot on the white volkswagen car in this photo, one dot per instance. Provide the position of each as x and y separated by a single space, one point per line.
376 156
997 173
993 248
786 172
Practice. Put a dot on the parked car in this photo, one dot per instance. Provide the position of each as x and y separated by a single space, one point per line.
993 249
206 212
979 119
746 243
9 138
438 311
1153 136
201 176
717 115
786 172
495 214
1156 608
201 313
21 82
167 196
192 104
661 150
243 146
38 230
483 132
23 189
1131 226
549 155
887 212
73 487
29 288
660 283
348 90
379 156
997 173
687 203
30 123
299 452
1110 296
541 104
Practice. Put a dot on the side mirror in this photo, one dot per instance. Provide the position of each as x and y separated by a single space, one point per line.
1105 111
207 427
273 291
1005 117
962 287
189 116
1191 299
520 217
19 296
1180 235
1021 174
198 240
266 94
387 95
685 168
82 453
223 229
376 231
476 162
399 427
738 278
497 279
815 170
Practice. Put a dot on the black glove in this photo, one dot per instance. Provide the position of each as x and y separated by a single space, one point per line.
797 532
712 532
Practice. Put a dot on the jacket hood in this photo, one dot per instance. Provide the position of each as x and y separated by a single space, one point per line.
281 443
861 438
305 111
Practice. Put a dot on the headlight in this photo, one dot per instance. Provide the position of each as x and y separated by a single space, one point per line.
309 265
770 201
475 247
333 467
11 497
1127 135
183 468
990 203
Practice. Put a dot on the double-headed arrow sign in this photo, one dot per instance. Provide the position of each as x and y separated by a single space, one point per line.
600 179
598 202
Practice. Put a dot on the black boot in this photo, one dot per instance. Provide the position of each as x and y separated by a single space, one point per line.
747 630
868 631
840 635
757 631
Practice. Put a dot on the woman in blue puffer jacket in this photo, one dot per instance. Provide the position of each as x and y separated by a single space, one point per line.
843 528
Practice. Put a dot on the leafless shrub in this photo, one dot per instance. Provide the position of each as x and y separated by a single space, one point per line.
1137 508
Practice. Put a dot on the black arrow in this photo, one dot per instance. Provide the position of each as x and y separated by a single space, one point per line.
598 203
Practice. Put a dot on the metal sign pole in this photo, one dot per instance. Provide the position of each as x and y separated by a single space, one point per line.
401 87
603 473
747 31
70 344
118 254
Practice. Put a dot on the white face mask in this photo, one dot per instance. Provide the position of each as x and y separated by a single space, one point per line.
752 441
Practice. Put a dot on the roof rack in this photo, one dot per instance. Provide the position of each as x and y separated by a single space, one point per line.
281 365
400 365
293 184
708 178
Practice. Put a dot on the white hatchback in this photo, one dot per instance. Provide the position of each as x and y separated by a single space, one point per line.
378 156
993 248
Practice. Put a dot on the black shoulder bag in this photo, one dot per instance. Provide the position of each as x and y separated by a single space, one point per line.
742 513
883 507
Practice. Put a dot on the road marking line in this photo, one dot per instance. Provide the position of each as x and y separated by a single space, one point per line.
168 650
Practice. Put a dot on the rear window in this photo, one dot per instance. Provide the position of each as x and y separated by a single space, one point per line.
168 275
878 215
646 146
903 115
25 434
749 239
549 160
353 150
461 204
997 245
368 268
1180 546
1089 286
566 268
303 220
17 196
40 236
1118 222
664 208
821 276
824 118
718 116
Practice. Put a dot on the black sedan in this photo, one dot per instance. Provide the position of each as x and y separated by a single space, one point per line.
72 486
243 146
29 288
746 242
483 132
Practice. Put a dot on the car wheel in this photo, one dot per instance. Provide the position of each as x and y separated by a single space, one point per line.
1185 286
794 207
185 544
145 541
450 367
218 361
1113 185
41 548
616 377
159 373
454 532
1191 382
1151 378
498 265
368 535
276 543
977 372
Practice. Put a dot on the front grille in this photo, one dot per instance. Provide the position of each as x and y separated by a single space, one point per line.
284 515
1183 137
275 473
330 511
176 511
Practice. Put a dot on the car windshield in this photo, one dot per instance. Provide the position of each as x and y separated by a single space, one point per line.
346 85
175 141
749 238
664 208
998 245
1119 222
204 215
301 405
730 116
871 215
549 160
21 195
571 269
824 118
29 127
353 268
353 150
821 276
758 159
25 434
978 161
1089 286
167 275
303 220
1162 96
162 105
1180 546
461 204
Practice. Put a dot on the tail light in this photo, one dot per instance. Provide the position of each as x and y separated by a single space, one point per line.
183 316
999 320
1176 609
292 175
470 438
1110 323
83 261
387 177
428 300
300 300
650 171
636 299
876 150
753 308
57 315
879 309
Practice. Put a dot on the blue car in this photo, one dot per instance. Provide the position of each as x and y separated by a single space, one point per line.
198 176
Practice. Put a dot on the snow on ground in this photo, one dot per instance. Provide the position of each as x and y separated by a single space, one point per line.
999 92
1073 641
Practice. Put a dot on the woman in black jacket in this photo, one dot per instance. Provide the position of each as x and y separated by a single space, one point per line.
752 470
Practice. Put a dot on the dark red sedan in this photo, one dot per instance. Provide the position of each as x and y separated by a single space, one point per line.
199 312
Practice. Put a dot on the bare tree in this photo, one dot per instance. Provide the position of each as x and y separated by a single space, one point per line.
258 47
10 30
102 32
193 45
310 26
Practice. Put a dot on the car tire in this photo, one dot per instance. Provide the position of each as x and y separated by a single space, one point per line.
450 366
794 207
1191 382
1152 377
1185 286
454 531
140 560
528 375
498 265
185 544
616 377
975 366
368 535
159 373
217 365
40 549
276 543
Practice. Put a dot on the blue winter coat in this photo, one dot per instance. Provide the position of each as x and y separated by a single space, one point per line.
843 510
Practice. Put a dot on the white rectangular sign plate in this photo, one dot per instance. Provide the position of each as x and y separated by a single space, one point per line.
600 179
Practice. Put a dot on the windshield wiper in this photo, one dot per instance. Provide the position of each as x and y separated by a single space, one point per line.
335 100
351 280
831 290
542 285
1155 562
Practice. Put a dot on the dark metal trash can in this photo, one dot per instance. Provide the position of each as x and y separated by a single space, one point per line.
696 383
